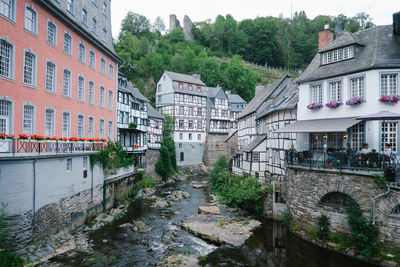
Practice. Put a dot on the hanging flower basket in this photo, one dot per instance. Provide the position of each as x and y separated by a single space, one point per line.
355 101
316 105
333 104
389 99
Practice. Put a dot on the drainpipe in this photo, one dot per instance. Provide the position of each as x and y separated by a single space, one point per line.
374 200
34 192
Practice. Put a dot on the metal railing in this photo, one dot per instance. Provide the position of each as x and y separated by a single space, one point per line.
18 145
344 160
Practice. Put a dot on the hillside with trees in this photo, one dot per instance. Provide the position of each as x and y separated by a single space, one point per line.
222 48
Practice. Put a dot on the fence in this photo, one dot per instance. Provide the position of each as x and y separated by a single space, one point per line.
18 145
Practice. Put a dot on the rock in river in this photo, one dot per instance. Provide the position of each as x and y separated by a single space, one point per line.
209 210
220 229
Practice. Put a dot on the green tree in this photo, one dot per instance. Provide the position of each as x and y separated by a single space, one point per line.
163 165
158 25
136 24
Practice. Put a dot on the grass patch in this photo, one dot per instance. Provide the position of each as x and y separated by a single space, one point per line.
147 182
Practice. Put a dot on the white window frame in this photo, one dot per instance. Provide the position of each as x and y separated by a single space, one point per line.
32 119
102 96
34 29
335 90
357 136
66 125
11 60
317 97
8 118
90 127
51 131
84 15
105 9
111 71
69 52
388 91
92 52
82 54
102 128
94 25
80 127
11 16
95 2
70 6
81 88
105 35
54 41
91 99
54 83
34 68
102 66
358 88
69 93
110 100
393 136
110 130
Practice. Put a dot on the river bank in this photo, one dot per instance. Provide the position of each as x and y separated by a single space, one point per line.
144 234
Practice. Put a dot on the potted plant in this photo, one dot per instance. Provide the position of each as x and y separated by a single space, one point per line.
316 105
333 104
389 99
355 101
132 125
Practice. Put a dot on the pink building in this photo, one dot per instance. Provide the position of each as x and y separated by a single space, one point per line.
57 68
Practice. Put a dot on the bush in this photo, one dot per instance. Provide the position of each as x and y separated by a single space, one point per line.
246 193
365 234
379 180
286 218
148 182
163 165
323 226
112 157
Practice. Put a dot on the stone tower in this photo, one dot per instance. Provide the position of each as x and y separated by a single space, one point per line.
187 28
173 22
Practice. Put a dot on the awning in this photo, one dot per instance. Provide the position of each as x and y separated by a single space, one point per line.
319 126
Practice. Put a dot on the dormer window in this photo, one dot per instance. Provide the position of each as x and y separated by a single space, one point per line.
337 55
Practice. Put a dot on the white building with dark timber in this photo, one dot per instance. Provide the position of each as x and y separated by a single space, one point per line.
184 97
236 105
132 120
155 128
358 71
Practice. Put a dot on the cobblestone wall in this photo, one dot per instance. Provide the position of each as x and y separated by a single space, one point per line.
215 146
306 189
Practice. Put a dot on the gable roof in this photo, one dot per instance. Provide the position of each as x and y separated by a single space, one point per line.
259 98
184 78
286 99
380 49
152 112
234 98
135 92
250 147
231 134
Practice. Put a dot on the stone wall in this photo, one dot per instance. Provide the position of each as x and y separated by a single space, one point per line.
187 28
306 189
151 159
215 147
43 198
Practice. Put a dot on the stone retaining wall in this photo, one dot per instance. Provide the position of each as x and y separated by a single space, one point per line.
307 187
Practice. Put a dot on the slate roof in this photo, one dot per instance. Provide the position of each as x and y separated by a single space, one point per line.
184 78
255 143
230 134
286 99
234 98
259 98
135 92
152 112
212 91
379 48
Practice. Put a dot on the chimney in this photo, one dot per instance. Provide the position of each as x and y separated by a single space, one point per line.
197 76
228 92
324 37
396 23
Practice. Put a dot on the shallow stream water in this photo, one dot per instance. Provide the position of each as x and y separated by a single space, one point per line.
270 245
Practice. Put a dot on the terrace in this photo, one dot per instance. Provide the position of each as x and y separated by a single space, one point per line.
36 145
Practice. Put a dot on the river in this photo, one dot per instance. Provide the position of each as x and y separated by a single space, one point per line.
270 245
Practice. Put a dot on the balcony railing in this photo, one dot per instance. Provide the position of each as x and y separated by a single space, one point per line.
344 160
18 146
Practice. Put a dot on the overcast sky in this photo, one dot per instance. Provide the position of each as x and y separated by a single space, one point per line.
380 10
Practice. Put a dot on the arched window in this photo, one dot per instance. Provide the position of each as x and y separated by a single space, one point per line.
335 200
